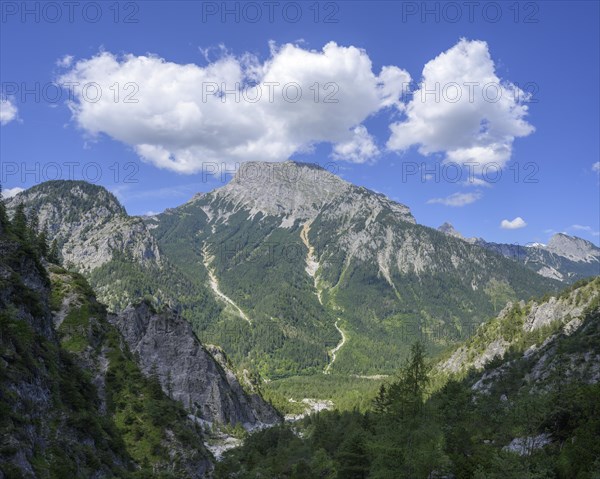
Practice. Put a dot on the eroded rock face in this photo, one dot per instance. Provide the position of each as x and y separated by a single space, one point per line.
88 223
295 191
576 249
566 311
165 345
565 258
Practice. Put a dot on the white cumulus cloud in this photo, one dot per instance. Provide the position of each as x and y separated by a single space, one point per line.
596 166
463 109
8 111
515 224
361 148
177 122
457 199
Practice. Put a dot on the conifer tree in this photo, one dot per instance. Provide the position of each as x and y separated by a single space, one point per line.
32 231
4 223
42 243
353 458
19 222
381 402
53 254
406 397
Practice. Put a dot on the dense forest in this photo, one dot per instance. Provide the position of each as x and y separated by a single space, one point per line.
411 431
261 266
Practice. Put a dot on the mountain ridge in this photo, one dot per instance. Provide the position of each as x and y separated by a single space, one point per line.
565 258
294 251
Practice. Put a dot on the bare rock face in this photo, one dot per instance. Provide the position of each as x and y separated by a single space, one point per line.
490 342
166 346
88 223
448 229
553 310
573 248
295 191
565 258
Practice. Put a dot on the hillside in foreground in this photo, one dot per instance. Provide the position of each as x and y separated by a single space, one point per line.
531 411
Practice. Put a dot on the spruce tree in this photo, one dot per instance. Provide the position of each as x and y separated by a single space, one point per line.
381 401
4 223
406 396
53 254
32 231
19 223
353 458
42 243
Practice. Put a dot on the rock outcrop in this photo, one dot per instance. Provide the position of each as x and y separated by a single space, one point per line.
203 383
573 248
88 223
561 314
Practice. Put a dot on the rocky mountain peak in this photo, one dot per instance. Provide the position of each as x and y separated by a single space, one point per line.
70 198
448 229
297 190
88 223
287 188
573 248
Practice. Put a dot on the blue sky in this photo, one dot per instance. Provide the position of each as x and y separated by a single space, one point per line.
375 135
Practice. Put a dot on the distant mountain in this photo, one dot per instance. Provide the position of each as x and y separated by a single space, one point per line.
573 248
565 258
448 229
294 252
285 264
